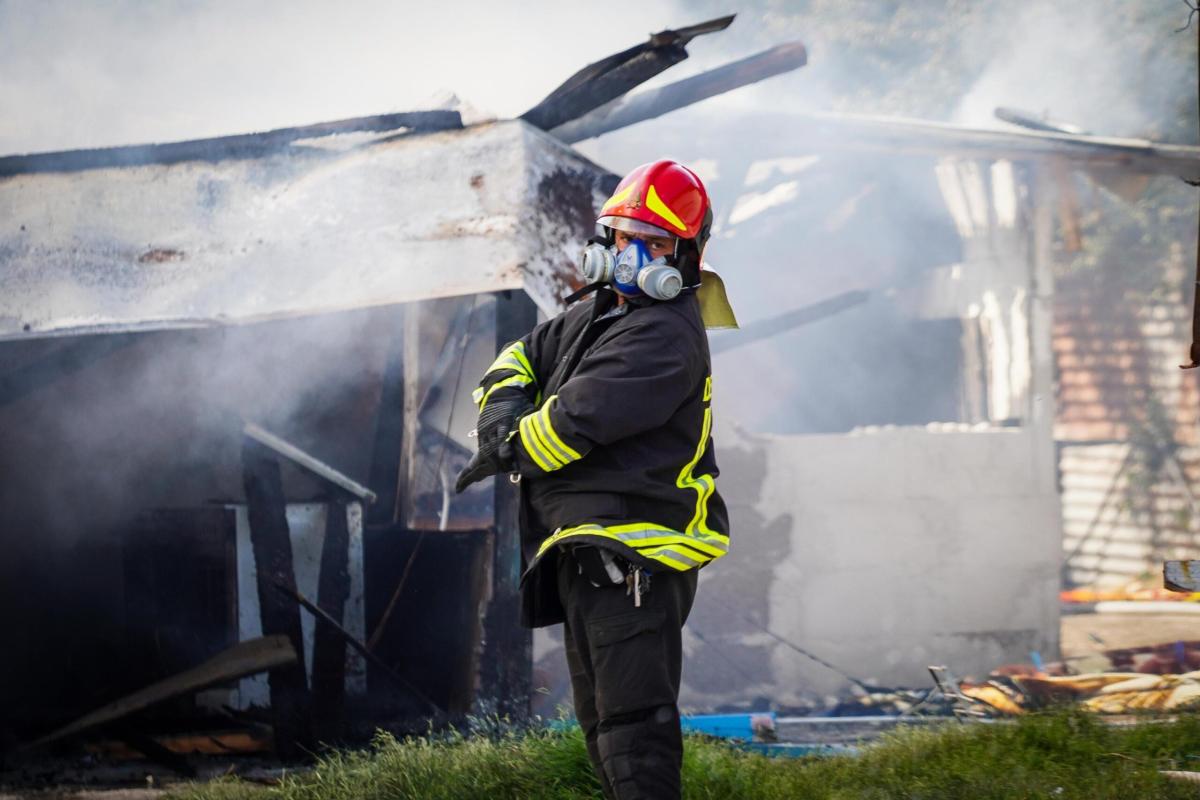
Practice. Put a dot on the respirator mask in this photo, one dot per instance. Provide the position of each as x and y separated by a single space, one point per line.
631 270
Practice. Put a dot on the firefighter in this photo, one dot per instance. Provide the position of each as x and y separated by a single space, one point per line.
604 413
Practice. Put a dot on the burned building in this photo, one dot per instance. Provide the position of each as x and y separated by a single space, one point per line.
235 376
215 352
213 345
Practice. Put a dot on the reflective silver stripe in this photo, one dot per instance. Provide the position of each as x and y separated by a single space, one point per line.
679 551
646 533
671 537
715 544
677 556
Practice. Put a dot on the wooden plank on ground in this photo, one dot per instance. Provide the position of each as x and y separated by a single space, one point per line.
246 658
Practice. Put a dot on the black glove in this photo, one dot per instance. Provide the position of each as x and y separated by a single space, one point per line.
495 455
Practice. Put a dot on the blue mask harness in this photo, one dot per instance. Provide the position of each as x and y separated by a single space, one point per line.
631 271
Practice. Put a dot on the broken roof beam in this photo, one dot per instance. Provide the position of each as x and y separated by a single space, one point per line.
653 103
609 78
246 145
790 320
790 134
307 462
1027 119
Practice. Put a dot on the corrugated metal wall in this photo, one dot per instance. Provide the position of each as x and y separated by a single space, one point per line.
1125 428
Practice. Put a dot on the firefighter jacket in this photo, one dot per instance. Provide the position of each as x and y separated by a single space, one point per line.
618 452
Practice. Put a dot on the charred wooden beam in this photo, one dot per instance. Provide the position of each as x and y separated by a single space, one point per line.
302 459
223 148
388 449
609 78
350 639
656 102
245 658
272 546
329 648
506 660
790 320
1026 119
795 133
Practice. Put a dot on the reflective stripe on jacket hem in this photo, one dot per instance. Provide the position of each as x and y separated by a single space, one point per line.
658 543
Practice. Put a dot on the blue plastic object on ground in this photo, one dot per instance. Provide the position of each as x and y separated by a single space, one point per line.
726 726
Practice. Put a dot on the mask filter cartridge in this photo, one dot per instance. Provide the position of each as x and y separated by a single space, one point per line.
631 271
660 282
597 263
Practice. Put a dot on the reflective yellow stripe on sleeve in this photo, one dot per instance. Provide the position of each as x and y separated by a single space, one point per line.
535 447
513 357
481 397
542 442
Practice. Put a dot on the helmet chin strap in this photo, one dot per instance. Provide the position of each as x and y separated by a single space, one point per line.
584 292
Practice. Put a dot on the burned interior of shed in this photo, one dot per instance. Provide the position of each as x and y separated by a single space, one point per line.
158 485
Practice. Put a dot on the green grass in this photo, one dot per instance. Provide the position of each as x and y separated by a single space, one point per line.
1058 755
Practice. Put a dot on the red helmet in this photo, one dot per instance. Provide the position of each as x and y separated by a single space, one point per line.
662 198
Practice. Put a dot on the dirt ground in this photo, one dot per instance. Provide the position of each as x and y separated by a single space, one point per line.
1124 630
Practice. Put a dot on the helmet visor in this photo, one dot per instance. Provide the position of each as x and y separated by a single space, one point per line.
635 226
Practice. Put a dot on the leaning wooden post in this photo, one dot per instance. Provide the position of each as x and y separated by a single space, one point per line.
272 545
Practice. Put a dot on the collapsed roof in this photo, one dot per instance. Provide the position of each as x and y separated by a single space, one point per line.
349 214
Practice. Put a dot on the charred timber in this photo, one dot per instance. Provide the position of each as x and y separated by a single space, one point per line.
1025 119
272 546
302 459
388 448
329 649
656 102
224 148
246 658
790 320
322 615
609 78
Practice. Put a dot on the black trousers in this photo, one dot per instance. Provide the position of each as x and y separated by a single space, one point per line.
625 664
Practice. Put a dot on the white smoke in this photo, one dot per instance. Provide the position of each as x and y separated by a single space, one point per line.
75 75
